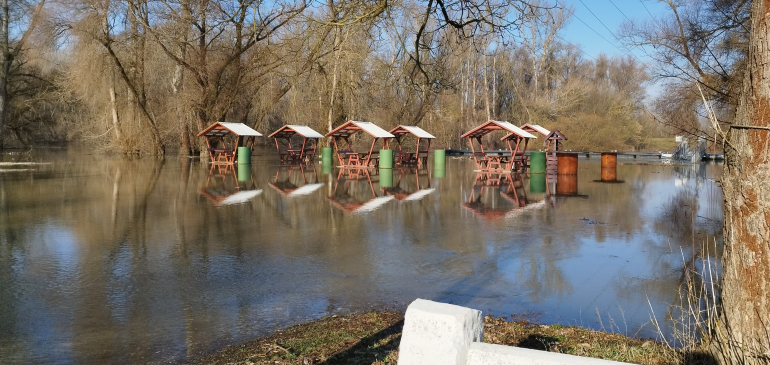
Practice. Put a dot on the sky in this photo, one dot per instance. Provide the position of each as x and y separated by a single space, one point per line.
594 36
595 24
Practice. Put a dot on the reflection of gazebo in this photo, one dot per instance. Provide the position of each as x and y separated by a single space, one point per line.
511 189
356 202
496 163
216 134
290 154
420 156
408 194
300 186
350 158
225 187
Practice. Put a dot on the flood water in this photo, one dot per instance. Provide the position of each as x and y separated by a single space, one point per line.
104 260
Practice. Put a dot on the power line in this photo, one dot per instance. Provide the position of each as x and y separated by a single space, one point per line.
597 18
627 51
621 11
648 10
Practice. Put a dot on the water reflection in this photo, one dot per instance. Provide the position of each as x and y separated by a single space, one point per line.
355 191
119 261
228 185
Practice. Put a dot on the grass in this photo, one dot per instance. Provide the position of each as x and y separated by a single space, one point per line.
373 338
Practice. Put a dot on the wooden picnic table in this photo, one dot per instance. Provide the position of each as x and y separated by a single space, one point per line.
222 155
359 159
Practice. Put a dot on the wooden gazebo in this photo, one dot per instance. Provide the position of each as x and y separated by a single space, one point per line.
419 156
552 141
350 158
291 154
215 134
495 163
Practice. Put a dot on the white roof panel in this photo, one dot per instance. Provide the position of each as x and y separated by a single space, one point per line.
538 128
306 131
241 129
241 197
305 190
373 129
374 204
417 131
515 129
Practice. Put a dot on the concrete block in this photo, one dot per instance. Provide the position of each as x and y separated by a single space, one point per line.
487 354
438 333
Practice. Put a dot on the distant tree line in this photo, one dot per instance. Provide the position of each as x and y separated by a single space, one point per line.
144 77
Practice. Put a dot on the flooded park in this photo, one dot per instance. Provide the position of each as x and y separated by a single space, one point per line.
111 260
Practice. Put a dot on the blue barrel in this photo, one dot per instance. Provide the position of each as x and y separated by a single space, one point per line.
244 155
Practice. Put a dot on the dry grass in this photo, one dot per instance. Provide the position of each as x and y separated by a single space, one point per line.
373 339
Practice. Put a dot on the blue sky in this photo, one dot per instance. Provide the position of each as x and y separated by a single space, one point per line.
586 30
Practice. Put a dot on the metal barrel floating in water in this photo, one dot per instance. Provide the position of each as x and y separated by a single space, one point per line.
439 158
567 163
537 162
244 155
609 159
386 160
326 156
386 178
537 183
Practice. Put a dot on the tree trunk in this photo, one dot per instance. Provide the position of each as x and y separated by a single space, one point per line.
746 261
114 107
5 68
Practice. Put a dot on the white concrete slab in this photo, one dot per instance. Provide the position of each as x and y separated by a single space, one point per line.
438 333
487 354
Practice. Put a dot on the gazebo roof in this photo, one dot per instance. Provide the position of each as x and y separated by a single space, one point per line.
535 128
352 127
556 135
220 129
416 131
494 125
289 130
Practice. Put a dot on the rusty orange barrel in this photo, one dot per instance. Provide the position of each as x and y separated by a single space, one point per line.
609 159
567 163
566 185
609 173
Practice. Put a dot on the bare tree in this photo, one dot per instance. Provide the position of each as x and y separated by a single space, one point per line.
746 300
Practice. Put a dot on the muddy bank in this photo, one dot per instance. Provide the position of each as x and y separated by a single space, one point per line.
373 338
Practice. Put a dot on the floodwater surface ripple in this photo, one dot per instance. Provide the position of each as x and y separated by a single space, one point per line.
105 260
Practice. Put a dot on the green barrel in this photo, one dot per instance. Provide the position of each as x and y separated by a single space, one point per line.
439 171
326 156
244 172
537 183
439 158
386 177
386 160
244 155
326 168
537 162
